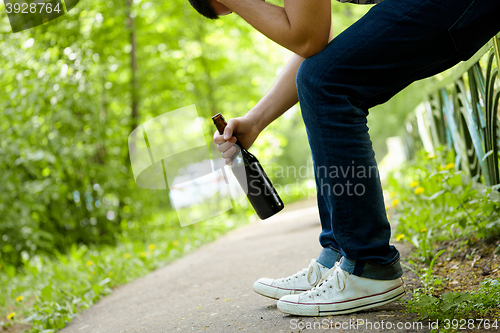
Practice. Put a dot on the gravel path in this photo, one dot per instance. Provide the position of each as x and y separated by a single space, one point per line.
210 290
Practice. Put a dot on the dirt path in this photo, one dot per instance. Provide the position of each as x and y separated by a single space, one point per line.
210 290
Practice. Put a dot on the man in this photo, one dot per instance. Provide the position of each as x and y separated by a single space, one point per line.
337 80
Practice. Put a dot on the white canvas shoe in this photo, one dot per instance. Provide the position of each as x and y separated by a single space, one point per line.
340 292
295 284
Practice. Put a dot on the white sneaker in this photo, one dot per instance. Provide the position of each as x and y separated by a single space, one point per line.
295 284
340 292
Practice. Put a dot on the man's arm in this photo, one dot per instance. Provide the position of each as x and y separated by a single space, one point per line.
281 97
302 26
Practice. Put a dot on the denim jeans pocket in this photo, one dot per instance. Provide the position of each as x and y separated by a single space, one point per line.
477 24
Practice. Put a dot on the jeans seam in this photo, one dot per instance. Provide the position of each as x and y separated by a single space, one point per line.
334 249
464 15
393 262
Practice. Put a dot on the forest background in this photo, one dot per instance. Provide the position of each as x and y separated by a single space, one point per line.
72 91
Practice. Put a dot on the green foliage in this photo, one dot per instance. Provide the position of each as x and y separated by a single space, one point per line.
438 202
65 177
435 202
66 113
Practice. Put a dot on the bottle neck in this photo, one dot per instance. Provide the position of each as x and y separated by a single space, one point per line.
221 124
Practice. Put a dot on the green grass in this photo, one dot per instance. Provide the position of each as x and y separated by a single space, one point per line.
47 292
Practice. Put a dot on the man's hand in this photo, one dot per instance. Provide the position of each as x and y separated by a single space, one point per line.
244 128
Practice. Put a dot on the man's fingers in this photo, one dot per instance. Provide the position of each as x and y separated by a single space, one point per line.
218 138
226 140
228 132
230 152
231 125
222 147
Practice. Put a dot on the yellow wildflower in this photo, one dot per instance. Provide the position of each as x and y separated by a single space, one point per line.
143 254
152 247
430 156
11 315
126 255
392 194
414 183
449 166
423 230
89 263
19 298
395 202
400 237
93 272
176 243
419 190
441 168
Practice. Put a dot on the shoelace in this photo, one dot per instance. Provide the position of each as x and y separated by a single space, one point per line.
334 278
309 272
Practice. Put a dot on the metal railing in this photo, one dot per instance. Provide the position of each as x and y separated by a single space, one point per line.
462 111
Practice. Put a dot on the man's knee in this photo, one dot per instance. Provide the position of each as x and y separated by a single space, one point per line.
309 80
319 80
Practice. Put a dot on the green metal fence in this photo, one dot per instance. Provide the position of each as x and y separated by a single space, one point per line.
462 111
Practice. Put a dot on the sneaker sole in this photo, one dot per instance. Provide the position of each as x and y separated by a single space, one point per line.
273 292
337 308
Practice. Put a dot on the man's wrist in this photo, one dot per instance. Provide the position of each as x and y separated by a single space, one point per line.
257 116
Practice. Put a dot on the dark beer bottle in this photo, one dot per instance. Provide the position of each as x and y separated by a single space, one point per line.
254 181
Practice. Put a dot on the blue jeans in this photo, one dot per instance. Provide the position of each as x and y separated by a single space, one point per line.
396 43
